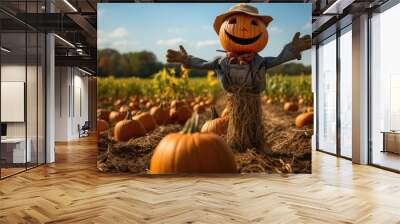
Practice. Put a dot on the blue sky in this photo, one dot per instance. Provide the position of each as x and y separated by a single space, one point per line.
158 27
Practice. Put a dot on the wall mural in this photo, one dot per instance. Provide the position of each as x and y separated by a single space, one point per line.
204 88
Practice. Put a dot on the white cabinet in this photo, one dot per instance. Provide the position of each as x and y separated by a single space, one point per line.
14 149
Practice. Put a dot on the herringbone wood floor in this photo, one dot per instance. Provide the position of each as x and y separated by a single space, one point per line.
72 191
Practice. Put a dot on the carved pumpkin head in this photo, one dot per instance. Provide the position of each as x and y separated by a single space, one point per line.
242 29
243 33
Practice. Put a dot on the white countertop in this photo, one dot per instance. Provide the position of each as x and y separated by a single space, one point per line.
13 140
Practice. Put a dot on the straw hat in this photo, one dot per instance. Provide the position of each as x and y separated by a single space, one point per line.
240 8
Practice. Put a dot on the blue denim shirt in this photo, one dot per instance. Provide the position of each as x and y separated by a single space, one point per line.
250 78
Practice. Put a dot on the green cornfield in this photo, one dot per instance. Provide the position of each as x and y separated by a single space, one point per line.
168 86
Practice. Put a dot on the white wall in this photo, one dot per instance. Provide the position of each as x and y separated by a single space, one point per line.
16 73
71 93
33 127
80 110
12 73
61 112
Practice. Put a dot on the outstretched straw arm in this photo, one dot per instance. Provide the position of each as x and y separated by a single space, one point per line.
188 61
291 51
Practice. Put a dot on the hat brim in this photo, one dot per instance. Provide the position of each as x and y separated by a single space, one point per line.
221 18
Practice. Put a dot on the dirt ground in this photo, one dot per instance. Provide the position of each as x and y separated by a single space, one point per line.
291 147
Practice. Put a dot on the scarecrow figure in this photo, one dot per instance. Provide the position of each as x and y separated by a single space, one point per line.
242 73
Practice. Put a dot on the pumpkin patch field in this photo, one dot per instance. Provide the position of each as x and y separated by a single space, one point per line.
175 124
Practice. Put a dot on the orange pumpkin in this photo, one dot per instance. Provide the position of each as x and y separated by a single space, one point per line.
102 126
127 129
310 109
147 120
181 114
160 115
192 152
143 101
304 119
124 109
216 125
134 105
133 98
103 114
149 105
301 101
116 116
177 103
118 103
290 107
242 33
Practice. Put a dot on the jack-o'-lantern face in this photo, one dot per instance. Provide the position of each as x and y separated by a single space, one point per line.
242 33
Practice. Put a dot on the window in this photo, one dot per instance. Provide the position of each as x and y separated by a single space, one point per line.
326 105
385 89
22 75
346 92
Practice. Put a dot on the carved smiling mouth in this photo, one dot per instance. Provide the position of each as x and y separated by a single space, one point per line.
242 41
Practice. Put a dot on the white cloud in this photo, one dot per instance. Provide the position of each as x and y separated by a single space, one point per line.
275 29
207 43
118 39
170 42
119 32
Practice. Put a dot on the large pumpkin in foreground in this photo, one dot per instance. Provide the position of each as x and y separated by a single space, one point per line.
242 33
192 152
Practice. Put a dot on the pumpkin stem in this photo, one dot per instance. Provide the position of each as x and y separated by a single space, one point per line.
214 113
128 115
192 125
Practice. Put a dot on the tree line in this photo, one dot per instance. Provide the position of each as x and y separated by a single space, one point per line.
143 64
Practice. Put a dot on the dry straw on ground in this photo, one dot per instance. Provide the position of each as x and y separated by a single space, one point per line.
290 147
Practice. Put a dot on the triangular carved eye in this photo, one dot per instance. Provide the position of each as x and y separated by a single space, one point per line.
232 21
254 23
